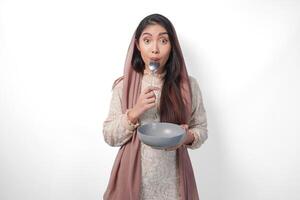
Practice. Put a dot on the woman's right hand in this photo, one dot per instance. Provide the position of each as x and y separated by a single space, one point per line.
145 101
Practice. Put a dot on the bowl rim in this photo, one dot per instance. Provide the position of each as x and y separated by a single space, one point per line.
168 146
162 135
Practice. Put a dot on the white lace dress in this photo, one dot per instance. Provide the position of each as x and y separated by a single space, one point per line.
160 180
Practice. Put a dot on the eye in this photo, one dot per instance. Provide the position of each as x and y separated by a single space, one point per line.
164 41
146 41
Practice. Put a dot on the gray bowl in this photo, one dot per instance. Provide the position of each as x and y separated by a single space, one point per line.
161 135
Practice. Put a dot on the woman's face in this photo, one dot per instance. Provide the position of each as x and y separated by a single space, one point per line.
154 44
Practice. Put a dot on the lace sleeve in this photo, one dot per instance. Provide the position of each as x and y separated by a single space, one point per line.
117 129
198 122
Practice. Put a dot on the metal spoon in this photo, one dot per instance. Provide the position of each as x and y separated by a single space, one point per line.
153 66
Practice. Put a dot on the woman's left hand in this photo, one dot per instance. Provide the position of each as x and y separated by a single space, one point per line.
186 127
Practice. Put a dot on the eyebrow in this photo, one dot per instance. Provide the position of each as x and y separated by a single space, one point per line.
162 33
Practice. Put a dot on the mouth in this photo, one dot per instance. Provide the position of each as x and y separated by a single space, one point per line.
153 65
154 59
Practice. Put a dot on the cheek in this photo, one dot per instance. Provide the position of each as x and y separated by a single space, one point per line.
166 52
144 49
144 53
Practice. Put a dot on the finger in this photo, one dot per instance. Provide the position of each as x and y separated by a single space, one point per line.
185 126
172 148
150 88
151 100
150 105
150 94
154 88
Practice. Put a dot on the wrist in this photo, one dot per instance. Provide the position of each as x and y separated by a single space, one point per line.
132 117
189 138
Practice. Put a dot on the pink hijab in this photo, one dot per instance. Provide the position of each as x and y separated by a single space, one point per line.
125 177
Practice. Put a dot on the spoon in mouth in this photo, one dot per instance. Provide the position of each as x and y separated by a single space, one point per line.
153 66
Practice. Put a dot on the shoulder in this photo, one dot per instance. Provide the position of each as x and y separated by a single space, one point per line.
117 88
118 83
192 79
195 89
194 83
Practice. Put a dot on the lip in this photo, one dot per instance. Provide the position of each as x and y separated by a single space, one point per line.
155 59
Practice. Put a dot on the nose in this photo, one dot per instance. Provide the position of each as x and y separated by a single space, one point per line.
155 49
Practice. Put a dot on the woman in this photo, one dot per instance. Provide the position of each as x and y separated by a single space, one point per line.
139 171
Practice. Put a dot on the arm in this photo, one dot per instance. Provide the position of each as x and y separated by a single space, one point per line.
198 122
117 129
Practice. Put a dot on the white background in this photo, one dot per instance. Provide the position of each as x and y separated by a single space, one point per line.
59 58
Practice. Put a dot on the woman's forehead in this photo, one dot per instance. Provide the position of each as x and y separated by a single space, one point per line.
154 30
